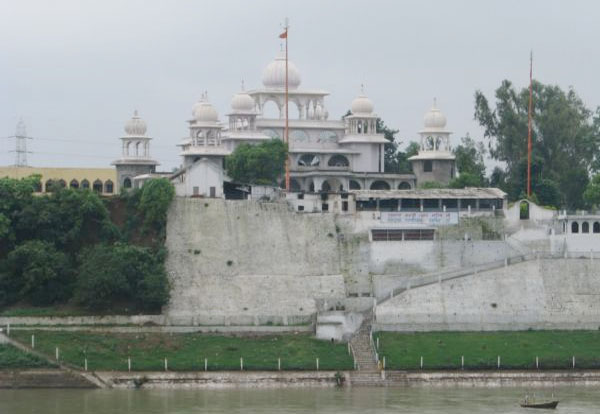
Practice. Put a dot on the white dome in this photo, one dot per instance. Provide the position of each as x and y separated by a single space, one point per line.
242 102
434 118
203 111
361 105
135 126
274 74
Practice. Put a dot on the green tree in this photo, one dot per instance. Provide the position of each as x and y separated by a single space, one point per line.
565 135
110 274
591 194
470 160
155 199
39 273
257 164
465 180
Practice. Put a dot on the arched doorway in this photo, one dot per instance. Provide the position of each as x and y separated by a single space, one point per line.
127 183
97 186
524 210
404 186
338 161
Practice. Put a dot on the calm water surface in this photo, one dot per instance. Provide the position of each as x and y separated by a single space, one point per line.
574 400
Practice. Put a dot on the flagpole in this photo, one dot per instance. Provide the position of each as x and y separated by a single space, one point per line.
529 125
287 131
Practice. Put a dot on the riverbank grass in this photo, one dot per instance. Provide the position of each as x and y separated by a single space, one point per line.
187 352
517 350
12 358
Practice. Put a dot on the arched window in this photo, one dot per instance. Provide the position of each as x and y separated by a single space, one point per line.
585 227
38 186
379 185
338 161
354 185
127 147
574 227
85 184
596 227
74 184
97 186
404 186
49 186
309 160
62 183
127 183
108 187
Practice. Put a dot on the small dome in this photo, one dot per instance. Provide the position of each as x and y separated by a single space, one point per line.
136 126
274 74
434 118
203 111
361 105
242 102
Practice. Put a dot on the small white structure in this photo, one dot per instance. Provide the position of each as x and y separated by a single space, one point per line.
135 156
435 161
203 153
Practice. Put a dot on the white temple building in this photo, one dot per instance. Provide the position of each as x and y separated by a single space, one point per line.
326 155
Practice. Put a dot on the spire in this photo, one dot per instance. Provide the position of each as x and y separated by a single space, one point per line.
242 85
434 102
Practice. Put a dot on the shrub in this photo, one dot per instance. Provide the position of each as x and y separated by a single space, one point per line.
121 272
39 273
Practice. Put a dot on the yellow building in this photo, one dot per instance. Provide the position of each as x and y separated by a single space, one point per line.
102 180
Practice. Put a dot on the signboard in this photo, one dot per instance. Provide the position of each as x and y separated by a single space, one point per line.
417 217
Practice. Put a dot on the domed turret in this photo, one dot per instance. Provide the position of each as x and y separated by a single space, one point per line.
242 102
274 74
203 111
135 127
434 119
361 105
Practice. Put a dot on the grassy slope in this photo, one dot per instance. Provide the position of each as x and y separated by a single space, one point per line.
517 350
11 357
187 351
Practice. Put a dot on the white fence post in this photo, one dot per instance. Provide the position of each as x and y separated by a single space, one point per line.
85 364
129 364
278 364
205 364
166 365
378 343
8 329
317 364
57 353
384 362
462 362
421 362
32 341
537 363
573 361
241 364
498 361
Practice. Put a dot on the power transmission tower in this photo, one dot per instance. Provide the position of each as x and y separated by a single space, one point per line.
21 145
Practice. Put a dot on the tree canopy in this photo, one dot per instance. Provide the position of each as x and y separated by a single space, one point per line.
565 135
257 164
470 164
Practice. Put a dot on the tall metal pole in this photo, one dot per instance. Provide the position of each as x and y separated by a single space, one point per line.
529 125
287 132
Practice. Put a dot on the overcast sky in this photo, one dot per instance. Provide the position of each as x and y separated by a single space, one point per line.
76 70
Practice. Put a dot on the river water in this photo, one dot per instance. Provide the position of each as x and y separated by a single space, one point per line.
574 400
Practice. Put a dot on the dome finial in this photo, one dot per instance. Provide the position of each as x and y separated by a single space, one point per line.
135 113
362 88
242 84
434 102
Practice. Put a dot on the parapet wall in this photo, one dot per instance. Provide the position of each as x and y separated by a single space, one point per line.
538 294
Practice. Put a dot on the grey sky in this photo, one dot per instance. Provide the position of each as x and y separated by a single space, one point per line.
76 70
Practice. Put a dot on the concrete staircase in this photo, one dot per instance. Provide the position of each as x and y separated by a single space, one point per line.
367 371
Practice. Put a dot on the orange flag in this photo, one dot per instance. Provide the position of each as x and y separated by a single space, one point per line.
283 35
